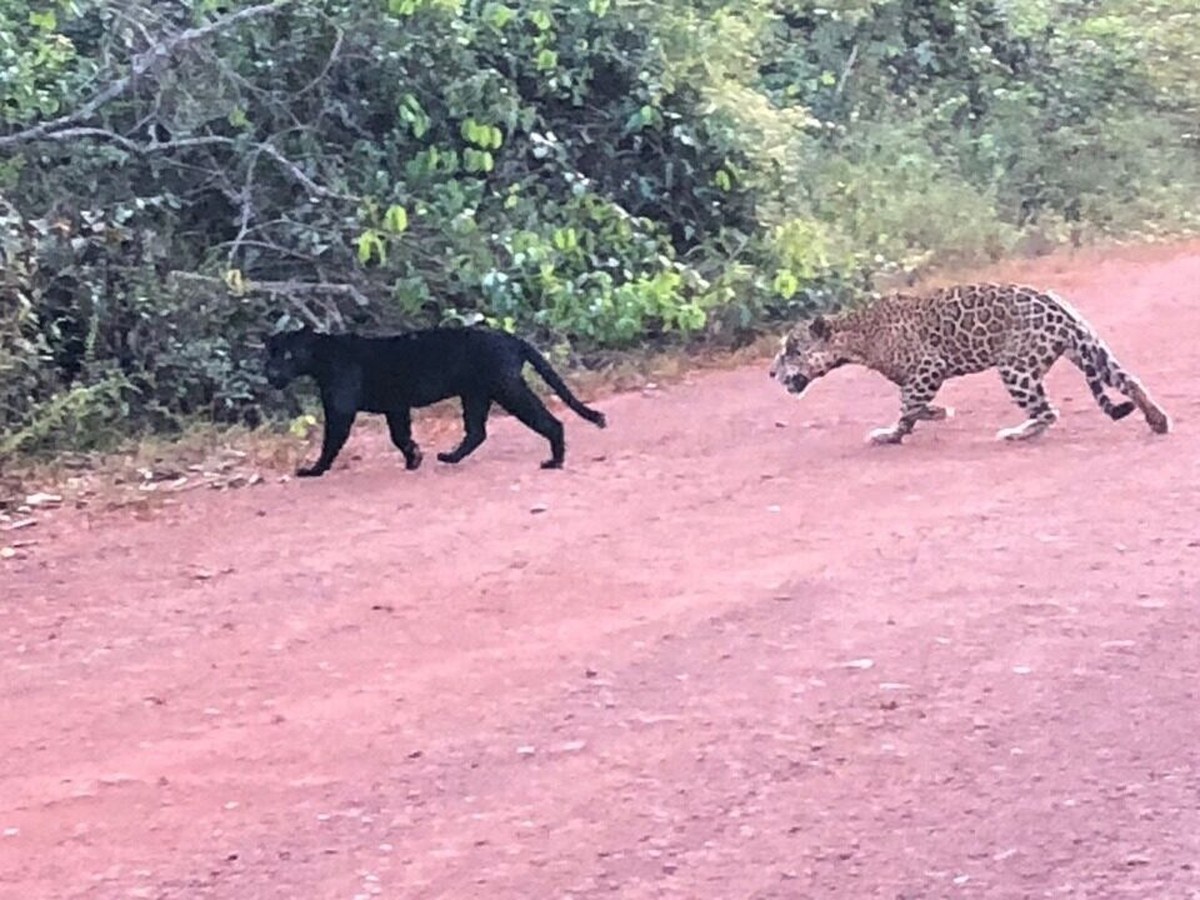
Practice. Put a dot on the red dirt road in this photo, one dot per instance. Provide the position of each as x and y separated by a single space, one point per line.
729 659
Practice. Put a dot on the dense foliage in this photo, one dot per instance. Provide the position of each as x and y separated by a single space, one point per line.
177 177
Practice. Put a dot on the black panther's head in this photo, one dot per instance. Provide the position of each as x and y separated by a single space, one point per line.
290 354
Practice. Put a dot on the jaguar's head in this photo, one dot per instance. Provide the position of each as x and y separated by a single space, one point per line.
806 353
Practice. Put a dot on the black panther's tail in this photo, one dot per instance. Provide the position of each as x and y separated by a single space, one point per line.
543 368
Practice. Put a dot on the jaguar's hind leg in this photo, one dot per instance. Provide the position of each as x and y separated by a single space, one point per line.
400 427
1092 360
475 414
1029 393
517 397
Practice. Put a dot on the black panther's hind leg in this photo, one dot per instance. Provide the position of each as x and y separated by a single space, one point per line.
517 397
475 414
400 426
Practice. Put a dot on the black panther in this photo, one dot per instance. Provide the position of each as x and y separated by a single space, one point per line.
393 374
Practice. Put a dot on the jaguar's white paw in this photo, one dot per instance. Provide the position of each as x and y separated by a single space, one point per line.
1030 428
884 436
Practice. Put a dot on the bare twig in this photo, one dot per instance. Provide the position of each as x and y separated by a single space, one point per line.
247 213
278 249
841 82
282 288
265 147
296 172
205 140
142 64
297 291
329 63
135 24
103 134
307 313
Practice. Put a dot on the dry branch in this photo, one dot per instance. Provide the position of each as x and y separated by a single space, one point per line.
295 292
142 64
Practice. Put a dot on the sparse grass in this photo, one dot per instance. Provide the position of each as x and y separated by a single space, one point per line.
152 468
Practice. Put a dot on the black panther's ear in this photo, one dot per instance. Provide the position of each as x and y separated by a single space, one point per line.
819 328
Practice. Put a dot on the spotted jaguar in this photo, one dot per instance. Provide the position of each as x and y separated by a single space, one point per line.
918 342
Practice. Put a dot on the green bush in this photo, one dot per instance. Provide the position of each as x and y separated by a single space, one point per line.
595 174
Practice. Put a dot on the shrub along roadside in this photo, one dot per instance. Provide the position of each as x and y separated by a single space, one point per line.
600 176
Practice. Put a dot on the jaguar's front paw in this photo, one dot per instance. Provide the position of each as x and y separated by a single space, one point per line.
1027 430
892 435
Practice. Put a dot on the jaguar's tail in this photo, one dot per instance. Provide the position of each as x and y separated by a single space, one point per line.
1101 369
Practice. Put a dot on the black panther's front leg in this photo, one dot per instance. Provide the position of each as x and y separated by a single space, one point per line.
337 429
341 401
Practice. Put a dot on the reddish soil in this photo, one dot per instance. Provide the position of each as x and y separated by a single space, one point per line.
728 660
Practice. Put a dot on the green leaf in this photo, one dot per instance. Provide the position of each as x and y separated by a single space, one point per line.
565 239
46 22
498 15
396 219
480 135
369 245
414 116
478 160
547 60
785 284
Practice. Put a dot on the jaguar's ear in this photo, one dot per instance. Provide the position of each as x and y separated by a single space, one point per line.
819 328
